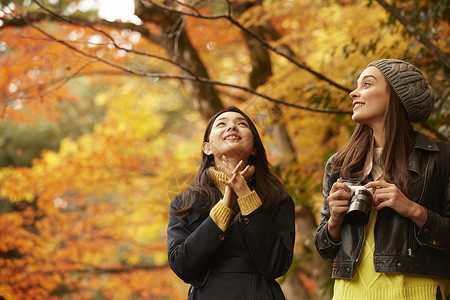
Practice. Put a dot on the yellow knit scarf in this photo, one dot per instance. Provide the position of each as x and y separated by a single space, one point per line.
216 175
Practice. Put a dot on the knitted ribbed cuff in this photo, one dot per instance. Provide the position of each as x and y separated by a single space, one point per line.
221 215
249 203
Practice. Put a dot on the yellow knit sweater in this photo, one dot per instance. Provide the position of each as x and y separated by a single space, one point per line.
222 214
367 284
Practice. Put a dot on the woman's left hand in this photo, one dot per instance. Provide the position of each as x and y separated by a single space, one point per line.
389 195
237 181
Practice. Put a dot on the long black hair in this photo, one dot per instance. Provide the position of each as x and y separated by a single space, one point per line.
269 188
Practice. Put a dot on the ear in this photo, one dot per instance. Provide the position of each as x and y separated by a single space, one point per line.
254 151
207 148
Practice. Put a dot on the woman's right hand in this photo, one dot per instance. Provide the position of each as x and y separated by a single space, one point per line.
230 197
236 186
338 202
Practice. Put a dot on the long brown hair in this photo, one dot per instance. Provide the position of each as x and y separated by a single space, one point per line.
399 141
266 184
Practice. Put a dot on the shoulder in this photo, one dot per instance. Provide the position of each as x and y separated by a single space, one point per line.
444 147
443 158
181 200
425 143
285 207
288 200
329 163
440 151
331 158
177 203
444 153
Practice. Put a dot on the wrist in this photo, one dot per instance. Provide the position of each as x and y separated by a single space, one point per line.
243 192
249 203
334 231
418 215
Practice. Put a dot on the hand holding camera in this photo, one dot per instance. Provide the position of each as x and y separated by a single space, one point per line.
389 195
349 200
338 202
360 204
353 201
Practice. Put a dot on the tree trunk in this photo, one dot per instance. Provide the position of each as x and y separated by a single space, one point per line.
174 39
282 148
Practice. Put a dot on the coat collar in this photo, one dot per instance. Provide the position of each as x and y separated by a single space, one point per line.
423 143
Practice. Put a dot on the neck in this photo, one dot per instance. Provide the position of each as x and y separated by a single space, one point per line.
232 161
378 134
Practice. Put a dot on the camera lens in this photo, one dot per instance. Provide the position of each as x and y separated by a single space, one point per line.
359 209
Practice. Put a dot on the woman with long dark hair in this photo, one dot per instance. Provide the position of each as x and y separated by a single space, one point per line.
385 221
231 233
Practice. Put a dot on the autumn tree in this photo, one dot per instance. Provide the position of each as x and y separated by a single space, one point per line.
124 104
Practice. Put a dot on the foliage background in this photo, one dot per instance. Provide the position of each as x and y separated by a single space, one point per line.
102 123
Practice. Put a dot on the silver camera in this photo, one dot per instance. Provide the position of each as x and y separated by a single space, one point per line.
360 203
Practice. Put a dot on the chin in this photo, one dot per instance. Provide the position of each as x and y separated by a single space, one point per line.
358 118
355 118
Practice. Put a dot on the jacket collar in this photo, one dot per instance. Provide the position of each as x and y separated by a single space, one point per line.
425 143
422 143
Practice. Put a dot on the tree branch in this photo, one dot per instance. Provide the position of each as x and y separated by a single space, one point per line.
439 135
192 77
259 39
436 51
130 26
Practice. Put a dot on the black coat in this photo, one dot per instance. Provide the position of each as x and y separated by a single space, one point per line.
240 264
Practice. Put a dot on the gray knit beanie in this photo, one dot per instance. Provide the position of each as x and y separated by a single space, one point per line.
411 87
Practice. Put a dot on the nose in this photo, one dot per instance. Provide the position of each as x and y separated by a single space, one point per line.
231 126
354 94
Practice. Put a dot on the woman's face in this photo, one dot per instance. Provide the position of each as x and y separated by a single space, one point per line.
231 136
370 98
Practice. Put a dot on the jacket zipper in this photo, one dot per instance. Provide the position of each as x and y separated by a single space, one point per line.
413 229
411 240
362 238
425 180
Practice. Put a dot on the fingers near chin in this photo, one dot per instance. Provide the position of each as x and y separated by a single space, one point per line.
245 170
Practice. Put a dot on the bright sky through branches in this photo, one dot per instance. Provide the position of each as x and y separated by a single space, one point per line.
112 10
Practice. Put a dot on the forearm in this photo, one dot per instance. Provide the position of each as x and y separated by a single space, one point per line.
221 215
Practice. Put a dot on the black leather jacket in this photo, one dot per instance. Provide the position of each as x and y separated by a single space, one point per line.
400 245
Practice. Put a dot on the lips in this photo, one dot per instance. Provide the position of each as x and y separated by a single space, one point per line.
357 104
232 137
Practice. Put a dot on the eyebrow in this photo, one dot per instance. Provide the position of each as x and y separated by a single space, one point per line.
367 76
226 118
241 118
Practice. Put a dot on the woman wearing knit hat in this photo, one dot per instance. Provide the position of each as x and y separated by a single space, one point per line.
231 233
400 247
